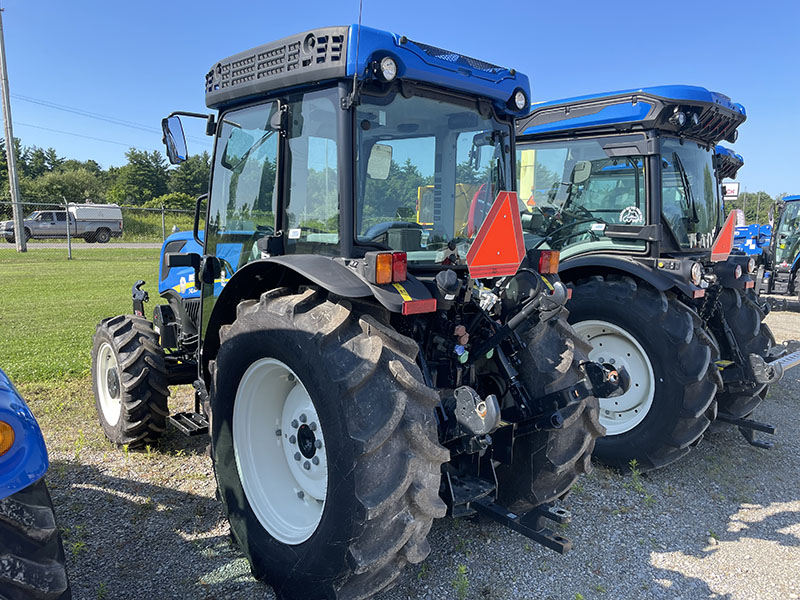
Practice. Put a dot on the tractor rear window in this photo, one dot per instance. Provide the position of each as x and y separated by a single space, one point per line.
428 170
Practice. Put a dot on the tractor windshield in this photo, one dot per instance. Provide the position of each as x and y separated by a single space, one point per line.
787 242
428 169
689 193
575 189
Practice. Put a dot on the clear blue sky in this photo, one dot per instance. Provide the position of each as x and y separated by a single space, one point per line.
137 61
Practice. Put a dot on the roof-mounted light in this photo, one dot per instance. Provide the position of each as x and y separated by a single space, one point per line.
520 101
695 120
732 136
678 119
386 69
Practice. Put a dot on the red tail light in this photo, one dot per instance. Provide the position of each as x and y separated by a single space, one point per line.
548 261
399 266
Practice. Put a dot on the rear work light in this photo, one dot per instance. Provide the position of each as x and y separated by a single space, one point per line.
548 261
390 267
6 437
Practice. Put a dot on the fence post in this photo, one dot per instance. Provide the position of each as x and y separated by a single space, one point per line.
69 233
163 225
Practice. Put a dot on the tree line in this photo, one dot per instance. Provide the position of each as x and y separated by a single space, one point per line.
146 180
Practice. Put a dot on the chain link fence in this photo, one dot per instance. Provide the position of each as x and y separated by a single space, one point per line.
140 225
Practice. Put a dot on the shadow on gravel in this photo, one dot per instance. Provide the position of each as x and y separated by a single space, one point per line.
128 539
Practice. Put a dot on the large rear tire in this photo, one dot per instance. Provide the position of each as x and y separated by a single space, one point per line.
31 553
129 378
745 319
546 463
343 526
670 359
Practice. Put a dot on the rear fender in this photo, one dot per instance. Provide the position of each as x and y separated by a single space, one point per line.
661 279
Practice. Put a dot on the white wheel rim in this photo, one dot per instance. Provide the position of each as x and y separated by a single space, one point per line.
613 346
109 384
274 423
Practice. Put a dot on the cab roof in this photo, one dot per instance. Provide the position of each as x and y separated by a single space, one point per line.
710 116
726 162
791 198
331 53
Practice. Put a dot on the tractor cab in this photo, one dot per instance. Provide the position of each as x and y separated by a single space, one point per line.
628 172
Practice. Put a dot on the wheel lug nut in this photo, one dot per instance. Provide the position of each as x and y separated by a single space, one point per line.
303 418
290 377
297 456
300 494
306 465
601 359
313 426
315 460
611 361
278 432
295 424
318 444
292 439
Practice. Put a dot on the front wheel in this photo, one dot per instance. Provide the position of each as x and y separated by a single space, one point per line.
324 444
129 378
661 343
32 565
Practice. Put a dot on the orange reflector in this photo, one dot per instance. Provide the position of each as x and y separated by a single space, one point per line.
383 268
569 293
698 293
498 247
399 266
415 307
6 437
548 261
749 284
721 249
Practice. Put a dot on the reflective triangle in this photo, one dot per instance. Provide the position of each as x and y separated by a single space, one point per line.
721 249
499 247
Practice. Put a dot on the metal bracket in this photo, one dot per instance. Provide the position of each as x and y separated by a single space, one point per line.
530 524
189 423
747 427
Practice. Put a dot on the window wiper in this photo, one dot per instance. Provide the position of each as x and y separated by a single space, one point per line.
256 145
686 186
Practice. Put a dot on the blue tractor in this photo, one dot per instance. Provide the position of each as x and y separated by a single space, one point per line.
361 369
779 262
623 184
31 552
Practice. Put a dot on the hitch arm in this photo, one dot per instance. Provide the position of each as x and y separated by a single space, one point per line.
140 296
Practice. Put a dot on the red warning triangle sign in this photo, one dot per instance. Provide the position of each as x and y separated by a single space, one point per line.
499 247
724 243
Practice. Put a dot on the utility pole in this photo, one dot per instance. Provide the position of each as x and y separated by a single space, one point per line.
11 158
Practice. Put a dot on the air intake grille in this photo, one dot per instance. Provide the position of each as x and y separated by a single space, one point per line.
192 308
278 64
454 57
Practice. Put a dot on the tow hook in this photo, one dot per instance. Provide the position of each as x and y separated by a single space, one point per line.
476 415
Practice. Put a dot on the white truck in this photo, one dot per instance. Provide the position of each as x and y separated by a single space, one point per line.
92 222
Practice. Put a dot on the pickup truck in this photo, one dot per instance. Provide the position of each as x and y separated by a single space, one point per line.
92 222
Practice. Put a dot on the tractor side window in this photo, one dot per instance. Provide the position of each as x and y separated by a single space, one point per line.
242 207
312 207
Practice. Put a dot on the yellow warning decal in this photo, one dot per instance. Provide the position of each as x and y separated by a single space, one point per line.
402 291
547 283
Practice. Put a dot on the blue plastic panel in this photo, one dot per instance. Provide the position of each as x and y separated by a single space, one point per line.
26 462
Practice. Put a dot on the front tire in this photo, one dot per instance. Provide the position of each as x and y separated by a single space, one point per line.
31 551
129 378
670 359
345 526
546 463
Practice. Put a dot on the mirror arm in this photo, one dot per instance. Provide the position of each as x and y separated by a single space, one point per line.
211 125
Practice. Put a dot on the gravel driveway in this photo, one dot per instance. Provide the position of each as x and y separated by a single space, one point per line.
723 523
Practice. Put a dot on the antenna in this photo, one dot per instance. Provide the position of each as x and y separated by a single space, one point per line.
348 102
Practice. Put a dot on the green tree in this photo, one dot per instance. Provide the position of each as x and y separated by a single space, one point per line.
143 178
172 200
76 185
756 206
191 176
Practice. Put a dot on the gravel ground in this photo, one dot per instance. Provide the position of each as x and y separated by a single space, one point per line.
723 523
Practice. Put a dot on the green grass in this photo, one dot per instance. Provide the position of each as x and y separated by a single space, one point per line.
49 306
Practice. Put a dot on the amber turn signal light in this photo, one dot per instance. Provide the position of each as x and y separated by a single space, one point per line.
548 261
6 437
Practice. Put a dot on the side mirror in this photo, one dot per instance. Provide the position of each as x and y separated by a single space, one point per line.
581 171
380 160
174 139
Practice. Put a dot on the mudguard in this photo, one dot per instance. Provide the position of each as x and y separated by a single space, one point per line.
647 269
26 461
